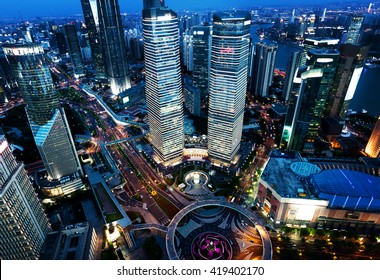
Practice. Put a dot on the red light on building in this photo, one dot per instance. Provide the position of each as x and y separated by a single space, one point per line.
227 50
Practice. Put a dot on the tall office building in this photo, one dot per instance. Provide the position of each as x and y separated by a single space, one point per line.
291 111
74 50
163 81
187 50
90 13
263 66
228 84
202 57
61 42
353 32
47 119
192 97
9 80
317 43
115 51
291 70
373 146
312 98
23 223
348 72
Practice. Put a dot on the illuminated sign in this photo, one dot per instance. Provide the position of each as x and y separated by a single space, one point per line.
325 60
227 50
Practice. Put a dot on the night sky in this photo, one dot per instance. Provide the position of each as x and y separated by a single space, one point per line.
32 8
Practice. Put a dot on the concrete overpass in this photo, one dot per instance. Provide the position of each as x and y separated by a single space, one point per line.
119 120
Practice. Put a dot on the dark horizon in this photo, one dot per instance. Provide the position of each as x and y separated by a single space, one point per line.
43 8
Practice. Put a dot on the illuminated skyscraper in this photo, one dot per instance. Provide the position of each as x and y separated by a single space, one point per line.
317 43
90 13
74 50
348 72
228 84
373 146
163 81
311 102
291 71
23 223
47 119
114 47
263 67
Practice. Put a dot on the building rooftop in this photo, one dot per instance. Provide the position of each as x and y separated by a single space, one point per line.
347 183
324 52
233 15
318 40
363 165
304 169
279 108
287 176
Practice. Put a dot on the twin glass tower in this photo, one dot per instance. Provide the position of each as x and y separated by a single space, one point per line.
106 35
228 82
163 81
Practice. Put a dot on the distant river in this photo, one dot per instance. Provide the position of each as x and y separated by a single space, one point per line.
367 95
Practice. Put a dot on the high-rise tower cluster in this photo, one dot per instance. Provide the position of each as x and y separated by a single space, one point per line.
47 119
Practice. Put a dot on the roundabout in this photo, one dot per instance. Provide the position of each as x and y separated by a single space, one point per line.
216 230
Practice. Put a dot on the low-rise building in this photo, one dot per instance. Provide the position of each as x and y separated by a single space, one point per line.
294 192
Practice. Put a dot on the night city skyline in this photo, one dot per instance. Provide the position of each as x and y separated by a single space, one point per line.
44 8
189 130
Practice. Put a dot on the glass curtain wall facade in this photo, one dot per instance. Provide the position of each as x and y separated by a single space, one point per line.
228 84
114 47
23 223
74 50
202 57
163 82
47 119
314 93
90 13
291 70
347 75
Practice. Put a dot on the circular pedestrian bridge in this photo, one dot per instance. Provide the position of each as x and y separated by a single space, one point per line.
216 230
